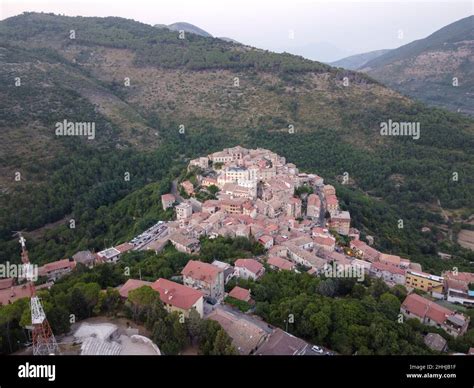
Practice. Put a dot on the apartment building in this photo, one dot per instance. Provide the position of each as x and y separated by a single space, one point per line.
183 210
425 282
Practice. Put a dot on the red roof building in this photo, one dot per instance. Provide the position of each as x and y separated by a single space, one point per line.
177 297
167 201
280 263
125 247
391 275
132 284
12 294
6 283
364 251
56 269
240 294
433 314
249 268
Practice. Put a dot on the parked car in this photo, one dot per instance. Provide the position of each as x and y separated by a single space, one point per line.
317 349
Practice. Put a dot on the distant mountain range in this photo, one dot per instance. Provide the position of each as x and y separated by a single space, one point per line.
191 28
316 51
438 70
356 61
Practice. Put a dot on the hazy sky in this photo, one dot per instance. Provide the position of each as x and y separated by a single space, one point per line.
324 30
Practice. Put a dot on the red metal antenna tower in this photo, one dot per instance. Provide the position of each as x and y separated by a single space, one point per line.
44 341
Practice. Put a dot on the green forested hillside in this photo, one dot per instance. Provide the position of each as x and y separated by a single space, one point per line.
224 94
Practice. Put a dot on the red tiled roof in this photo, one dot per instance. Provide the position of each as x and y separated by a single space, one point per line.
56 265
125 247
339 258
319 230
6 283
168 197
132 284
358 243
389 268
367 251
313 200
201 271
332 200
326 241
456 284
176 294
240 293
264 239
280 263
423 307
392 259
251 264
10 295
466 277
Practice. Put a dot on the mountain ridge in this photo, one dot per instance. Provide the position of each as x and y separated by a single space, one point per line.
428 69
356 61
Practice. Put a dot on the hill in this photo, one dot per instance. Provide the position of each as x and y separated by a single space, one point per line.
188 27
357 61
425 69
156 100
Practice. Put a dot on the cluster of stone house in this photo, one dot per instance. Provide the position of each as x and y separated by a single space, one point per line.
256 199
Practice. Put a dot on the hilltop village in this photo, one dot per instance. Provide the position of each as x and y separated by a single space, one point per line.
297 220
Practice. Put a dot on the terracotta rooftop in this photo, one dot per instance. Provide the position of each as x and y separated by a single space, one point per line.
389 268
280 263
55 266
313 200
168 197
332 200
240 293
325 241
281 343
422 307
201 271
246 334
125 247
251 264
6 283
132 284
176 294
390 259
10 295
